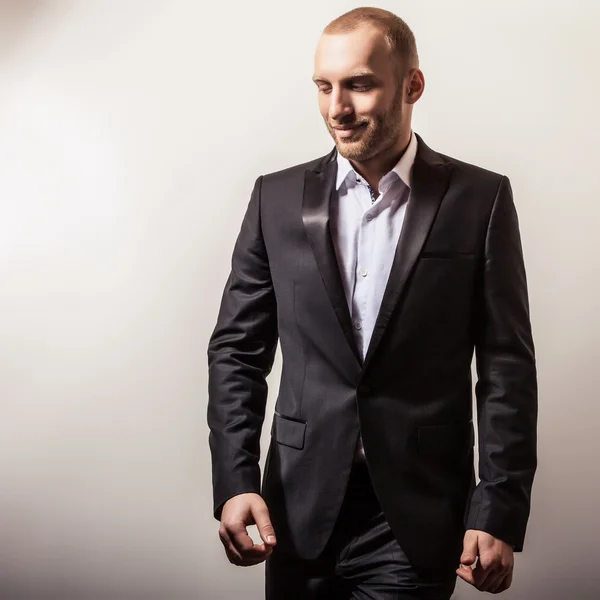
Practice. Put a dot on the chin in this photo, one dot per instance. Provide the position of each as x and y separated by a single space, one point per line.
351 147
352 154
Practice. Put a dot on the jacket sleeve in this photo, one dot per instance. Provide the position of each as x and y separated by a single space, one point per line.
506 389
241 351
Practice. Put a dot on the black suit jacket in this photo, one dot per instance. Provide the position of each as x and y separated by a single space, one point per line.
457 285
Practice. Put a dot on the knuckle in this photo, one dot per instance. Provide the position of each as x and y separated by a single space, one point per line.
237 527
225 526
233 528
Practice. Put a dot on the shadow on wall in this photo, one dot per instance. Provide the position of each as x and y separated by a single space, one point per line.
16 17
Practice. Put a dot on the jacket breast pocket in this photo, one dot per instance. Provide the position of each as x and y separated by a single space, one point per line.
448 255
288 431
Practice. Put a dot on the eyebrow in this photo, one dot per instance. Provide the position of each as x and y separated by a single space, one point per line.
355 75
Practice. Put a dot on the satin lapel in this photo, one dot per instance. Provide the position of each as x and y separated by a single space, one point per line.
430 179
318 187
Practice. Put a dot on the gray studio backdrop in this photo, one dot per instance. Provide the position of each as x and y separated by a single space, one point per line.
131 133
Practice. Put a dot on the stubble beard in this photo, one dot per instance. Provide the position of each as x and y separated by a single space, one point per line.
379 136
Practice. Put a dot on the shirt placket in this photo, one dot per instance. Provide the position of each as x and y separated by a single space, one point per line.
372 194
364 242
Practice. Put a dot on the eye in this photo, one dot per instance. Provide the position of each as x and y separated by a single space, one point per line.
324 90
362 88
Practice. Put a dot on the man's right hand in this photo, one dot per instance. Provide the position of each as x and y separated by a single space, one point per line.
239 512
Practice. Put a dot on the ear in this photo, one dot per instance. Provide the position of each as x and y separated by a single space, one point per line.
415 85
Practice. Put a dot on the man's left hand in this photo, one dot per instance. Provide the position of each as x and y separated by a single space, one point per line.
494 570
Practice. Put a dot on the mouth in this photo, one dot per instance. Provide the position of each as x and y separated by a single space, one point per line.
348 130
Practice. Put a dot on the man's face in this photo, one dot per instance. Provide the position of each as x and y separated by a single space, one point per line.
359 86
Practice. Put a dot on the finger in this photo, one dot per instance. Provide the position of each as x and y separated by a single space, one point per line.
496 569
485 578
239 537
258 551
493 583
232 555
466 573
494 586
230 549
506 583
248 551
233 558
245 561
249 562
479 575
264 525
470 548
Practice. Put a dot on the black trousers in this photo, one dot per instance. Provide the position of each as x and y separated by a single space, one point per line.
361 561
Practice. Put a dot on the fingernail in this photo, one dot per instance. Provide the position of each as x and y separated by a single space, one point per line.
270 538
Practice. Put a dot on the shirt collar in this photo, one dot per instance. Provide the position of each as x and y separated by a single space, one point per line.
403 167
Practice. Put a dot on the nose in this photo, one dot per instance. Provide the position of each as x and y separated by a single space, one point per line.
339 106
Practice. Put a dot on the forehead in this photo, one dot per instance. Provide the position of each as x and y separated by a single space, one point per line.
339 55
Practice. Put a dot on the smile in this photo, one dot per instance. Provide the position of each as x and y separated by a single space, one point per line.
348 131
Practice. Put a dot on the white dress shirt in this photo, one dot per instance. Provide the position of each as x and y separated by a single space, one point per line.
365 229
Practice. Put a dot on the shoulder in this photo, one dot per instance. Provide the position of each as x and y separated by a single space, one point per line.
473 178
472 174
472 189
462 170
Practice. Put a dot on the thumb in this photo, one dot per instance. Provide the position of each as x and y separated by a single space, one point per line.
260 513
469 549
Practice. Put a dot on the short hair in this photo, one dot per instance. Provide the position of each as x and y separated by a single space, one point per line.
397 33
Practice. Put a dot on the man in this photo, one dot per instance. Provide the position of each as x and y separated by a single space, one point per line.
380 267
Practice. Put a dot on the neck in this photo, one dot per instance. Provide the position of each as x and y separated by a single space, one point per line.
375 168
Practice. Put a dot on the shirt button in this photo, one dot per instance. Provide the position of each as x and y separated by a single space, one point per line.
358 325
369 216
363 272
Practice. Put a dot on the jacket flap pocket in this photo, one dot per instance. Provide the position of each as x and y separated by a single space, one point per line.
289 431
